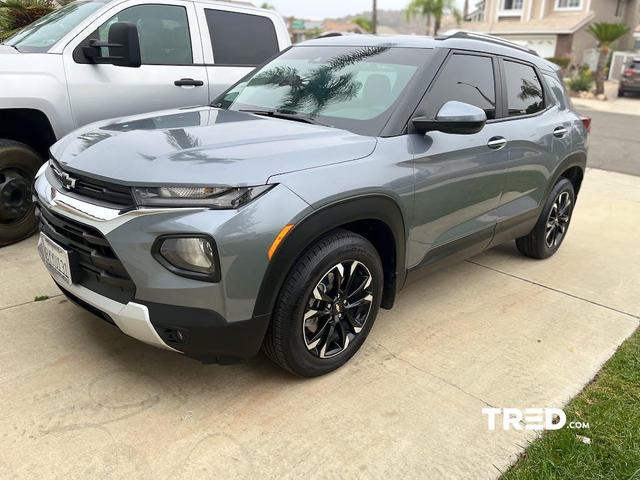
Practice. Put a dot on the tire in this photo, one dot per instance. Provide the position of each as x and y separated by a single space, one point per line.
19 164
541 242
290 338
620 92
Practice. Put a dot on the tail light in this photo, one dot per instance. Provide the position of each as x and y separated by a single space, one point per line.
586 122
629 72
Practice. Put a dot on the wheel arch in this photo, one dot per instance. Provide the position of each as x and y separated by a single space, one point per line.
29 126
376 217
572 168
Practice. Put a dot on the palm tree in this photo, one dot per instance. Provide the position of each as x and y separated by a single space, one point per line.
435 9
364 23
605 34
17 14
374 17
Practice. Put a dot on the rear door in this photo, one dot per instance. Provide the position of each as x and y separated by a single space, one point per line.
459 178
538 137
171 51
235 41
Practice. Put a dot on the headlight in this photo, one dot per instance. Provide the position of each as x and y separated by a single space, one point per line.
191 256
209 197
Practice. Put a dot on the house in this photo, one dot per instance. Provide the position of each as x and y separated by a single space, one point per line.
554 28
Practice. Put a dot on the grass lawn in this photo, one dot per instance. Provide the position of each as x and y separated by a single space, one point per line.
611 406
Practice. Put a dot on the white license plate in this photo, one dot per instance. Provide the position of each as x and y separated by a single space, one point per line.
55 258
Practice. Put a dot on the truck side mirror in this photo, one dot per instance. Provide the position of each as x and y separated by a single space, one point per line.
453 117
123 47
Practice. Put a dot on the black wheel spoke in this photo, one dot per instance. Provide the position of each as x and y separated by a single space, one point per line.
338 308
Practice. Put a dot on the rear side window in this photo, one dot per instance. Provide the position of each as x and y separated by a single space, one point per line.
468 79
635 65
241 39
558 91
524 90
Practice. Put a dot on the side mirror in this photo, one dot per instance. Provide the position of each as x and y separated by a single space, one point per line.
123 47
453 117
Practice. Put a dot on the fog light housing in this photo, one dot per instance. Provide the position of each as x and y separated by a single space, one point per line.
191 256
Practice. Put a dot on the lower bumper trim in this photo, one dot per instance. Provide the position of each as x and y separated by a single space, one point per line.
132 318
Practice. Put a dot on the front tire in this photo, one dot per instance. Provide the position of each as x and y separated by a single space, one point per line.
552 226
19 164
327 305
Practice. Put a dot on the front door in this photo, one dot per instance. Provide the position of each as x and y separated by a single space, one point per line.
459 178
171 50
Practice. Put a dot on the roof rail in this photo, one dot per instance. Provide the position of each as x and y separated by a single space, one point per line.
488 38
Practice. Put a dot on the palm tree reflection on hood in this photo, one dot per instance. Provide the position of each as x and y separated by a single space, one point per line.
313 91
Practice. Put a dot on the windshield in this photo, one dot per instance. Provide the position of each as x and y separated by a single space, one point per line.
354 88
45 32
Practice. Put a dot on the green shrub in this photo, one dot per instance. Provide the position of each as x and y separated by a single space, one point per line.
582 82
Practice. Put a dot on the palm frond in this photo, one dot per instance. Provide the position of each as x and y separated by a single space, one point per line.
607 33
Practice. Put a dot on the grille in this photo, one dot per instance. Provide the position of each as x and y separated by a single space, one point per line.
99 269
104 192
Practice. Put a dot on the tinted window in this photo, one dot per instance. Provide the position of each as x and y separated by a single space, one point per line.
524 91
468 79
163 31
241 39
355 88
558 91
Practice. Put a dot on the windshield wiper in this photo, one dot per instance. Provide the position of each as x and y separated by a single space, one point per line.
296 117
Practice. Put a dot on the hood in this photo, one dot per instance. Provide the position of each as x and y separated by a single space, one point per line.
7 49
203 146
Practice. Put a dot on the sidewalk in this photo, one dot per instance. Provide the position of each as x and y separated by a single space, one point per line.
628 105
80 400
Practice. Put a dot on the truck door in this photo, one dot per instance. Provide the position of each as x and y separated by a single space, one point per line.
172 73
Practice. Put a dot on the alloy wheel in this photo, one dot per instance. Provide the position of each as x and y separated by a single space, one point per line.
558 220
337 309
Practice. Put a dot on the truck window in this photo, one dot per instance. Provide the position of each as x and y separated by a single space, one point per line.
233 46
163 31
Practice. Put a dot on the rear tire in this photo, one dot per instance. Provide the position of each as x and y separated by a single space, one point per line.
552 226
321 318
19 164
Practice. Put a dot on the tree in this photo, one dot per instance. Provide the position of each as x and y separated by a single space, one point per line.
364 23
267 6
374 18
17 14
432 9
605 34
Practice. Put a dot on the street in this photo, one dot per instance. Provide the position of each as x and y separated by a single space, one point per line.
615 141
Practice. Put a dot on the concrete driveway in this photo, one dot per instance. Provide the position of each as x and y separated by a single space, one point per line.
81 400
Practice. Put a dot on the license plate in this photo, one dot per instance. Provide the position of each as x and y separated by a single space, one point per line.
55 258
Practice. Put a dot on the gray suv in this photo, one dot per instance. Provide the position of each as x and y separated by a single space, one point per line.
284 215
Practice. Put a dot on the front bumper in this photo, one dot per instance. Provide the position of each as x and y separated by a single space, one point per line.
212 322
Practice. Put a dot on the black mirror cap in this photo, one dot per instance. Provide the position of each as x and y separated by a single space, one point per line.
123 46
453 117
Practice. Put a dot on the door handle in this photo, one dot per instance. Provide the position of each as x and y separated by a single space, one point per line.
559 132
188 82
496 143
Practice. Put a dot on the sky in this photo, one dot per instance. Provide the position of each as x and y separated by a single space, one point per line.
319 9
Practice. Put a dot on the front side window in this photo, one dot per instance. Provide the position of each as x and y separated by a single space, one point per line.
163 31
524 90
468 79
42 34
241 39
354 88
568 4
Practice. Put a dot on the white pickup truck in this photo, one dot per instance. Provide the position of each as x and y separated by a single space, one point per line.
96 59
